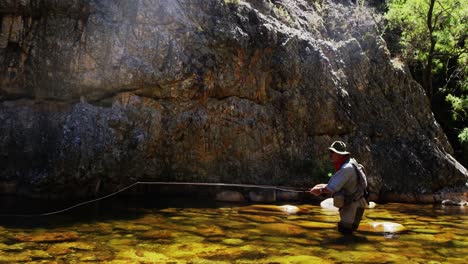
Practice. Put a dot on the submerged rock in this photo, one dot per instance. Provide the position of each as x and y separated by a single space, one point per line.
282 229
69 247
381 227
47 237
209 231
233 241
297 259
14 258
156 234
130 227
371 256
141 256
261 218
14 247
314 224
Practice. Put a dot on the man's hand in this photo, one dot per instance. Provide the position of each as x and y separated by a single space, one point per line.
317 189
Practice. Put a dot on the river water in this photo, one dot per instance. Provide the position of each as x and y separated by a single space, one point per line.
182 231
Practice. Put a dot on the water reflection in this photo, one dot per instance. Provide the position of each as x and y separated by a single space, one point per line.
178 231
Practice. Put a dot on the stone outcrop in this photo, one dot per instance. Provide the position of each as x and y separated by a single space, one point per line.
95 95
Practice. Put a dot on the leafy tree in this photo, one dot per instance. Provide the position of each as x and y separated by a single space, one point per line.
433 31
434 43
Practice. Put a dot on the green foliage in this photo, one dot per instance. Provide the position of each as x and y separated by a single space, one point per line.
437 42
459 107
450 30
463 136
459 110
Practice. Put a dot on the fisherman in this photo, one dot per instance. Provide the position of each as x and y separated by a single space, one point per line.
344 187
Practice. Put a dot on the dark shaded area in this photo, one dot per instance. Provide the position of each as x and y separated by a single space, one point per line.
21 212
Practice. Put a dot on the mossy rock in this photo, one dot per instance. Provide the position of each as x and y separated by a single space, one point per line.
131 227
24 256
462 244
121 241
233 241
151 220
380 215
59 250
314 225
13 258
303 241
426 231
261 218
210 231
68 247
426 219
230 253
188 239
37 254
47 237
156 234
282 229
13 247
200 249
142 256
299 259
365 256
440 238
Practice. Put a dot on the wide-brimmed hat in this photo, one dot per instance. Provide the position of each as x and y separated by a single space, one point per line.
339 147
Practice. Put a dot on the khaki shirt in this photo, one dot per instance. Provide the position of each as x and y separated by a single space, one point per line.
344 179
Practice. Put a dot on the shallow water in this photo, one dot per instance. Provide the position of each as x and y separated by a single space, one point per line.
122 231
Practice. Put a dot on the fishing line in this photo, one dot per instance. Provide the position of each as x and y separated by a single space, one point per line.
284 189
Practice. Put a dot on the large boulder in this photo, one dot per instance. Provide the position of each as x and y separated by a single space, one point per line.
102 93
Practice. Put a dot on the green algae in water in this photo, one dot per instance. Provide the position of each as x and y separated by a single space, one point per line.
236 234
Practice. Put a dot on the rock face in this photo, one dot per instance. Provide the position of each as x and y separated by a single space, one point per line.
101 93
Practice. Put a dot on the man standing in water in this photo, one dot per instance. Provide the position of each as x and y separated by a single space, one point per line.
345 188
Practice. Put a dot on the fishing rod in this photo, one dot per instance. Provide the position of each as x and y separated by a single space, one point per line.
271 187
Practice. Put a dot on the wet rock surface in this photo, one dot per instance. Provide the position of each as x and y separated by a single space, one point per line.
100 94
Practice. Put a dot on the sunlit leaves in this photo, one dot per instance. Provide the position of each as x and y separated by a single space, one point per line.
446 30
459 107
449 21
